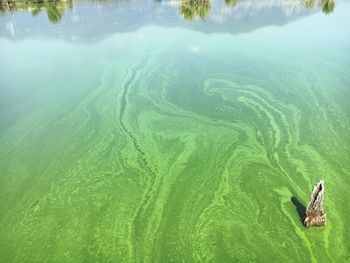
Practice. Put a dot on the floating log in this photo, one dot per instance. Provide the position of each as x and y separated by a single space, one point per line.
314 214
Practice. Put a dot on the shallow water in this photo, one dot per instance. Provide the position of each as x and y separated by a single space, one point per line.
140 131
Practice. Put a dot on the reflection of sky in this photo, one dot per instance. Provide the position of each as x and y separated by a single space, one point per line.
92 21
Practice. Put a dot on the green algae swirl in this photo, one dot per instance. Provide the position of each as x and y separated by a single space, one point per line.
190 148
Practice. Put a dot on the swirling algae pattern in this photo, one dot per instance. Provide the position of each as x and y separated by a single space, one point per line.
188 159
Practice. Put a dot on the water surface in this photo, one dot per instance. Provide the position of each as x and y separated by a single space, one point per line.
154 131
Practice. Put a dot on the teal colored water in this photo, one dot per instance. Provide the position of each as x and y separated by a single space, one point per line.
131 133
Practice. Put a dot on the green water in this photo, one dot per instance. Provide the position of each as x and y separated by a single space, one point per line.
168 144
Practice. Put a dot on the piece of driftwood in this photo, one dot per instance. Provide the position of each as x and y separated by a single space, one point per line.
314 214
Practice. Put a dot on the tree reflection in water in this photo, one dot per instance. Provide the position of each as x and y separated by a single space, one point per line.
193 9
54 9
231 3
327 5
188 9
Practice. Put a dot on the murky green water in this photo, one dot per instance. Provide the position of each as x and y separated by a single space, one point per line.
130 133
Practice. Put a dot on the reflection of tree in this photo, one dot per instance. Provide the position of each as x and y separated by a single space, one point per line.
308 4
54 8
327 5
192 9
231 2
54 11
